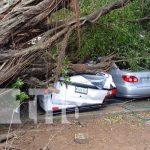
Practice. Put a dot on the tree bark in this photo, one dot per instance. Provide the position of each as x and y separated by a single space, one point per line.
25 16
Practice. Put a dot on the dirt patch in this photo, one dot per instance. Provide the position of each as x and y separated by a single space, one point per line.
113 132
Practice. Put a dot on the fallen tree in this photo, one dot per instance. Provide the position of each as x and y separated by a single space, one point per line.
24 20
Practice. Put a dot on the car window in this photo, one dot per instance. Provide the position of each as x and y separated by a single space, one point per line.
122 66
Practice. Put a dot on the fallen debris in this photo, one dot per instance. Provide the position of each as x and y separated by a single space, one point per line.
27 40
81 138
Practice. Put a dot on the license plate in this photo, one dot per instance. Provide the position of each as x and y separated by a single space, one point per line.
81 90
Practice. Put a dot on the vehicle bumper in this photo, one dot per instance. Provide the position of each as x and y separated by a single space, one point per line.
133 92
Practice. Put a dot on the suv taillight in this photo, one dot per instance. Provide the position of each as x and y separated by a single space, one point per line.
131 79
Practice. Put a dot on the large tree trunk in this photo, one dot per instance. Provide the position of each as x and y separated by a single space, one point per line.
24 20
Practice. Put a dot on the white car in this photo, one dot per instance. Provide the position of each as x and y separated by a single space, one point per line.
83 91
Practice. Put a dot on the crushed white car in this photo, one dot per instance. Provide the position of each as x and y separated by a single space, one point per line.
82 91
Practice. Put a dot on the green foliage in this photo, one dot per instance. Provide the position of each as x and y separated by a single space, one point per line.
115 33
146 7
146 12
62 14
18 84
88 6
65 70
22 97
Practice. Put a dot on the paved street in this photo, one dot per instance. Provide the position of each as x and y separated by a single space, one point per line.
113 107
